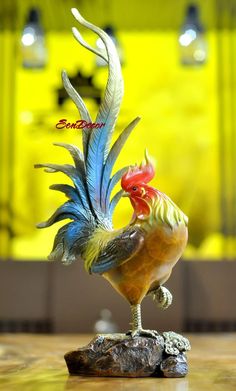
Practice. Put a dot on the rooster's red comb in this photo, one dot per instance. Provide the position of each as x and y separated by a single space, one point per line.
138 174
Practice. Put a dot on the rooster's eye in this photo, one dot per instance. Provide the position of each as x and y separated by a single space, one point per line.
134 188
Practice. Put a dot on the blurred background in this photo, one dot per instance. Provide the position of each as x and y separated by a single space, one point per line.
179 67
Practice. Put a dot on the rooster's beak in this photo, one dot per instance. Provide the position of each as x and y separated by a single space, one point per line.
125 194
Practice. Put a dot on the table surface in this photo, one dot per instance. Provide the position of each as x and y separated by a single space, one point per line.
35 362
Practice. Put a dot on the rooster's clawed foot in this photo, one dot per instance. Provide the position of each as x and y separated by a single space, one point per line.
143 333
162 297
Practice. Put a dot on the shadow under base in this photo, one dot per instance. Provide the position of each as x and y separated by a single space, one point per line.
120 355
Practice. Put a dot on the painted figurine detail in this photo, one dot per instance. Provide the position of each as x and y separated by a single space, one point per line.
137 259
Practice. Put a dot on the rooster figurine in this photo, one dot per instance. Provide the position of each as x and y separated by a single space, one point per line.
137 259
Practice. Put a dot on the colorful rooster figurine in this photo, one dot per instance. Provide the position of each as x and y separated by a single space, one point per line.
137 259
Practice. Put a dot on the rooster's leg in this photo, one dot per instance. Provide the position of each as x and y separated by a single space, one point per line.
137 329
162 297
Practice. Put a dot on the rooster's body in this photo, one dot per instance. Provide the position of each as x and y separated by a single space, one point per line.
151 267
138 258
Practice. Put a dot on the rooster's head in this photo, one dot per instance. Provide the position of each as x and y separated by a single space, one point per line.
134 183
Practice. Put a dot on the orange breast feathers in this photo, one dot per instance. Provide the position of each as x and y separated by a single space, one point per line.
153 264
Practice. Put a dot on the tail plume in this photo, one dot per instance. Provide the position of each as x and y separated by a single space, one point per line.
89 204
